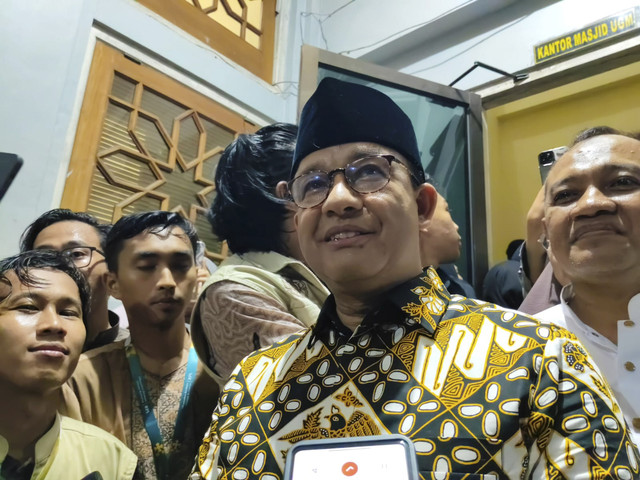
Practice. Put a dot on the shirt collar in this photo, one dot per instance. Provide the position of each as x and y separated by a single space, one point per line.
44 445
270 261
106 336
423 299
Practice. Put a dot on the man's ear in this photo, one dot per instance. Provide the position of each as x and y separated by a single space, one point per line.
426 198
113 286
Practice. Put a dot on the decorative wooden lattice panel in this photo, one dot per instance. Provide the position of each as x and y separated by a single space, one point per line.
242 30
150 150
242 18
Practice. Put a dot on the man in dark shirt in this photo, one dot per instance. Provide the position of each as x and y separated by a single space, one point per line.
481 391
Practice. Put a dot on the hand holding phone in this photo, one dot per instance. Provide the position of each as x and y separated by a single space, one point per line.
546 160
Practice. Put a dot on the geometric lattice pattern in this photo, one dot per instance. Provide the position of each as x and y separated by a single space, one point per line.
241 30
242 18
155 153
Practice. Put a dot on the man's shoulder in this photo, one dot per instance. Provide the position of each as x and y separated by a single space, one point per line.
95 447
113 349
553 314
76 429
278 349
463 310
105 357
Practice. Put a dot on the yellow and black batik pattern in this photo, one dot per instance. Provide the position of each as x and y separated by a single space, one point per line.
483 393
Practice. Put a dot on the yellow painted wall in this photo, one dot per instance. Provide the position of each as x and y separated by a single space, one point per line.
516 132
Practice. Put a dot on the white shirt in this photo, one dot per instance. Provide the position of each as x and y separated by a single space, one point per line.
619 364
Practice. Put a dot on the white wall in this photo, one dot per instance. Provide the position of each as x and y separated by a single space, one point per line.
45 52
438 40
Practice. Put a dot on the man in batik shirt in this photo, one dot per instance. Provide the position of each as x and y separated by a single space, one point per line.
478 389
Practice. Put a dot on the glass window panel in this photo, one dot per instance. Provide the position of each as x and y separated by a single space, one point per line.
143 204
204 4
220 16
442 140
234 5
189 139
104 197
128 170
162 107
216 135
149 135
254 14
252 39
209 169
115 130
203 227
181 189
123 88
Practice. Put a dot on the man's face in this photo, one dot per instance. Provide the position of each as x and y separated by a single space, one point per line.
71 233
156 277
592 208
361 244
443 241
41 331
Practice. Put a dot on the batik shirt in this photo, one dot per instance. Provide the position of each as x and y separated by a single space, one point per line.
480 390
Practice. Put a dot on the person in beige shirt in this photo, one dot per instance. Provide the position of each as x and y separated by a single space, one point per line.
149 392
264 292
44 303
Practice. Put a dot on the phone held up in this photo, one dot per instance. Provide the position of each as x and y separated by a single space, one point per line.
547 158
380 457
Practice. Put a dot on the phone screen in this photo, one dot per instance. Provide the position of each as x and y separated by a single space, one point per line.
370 462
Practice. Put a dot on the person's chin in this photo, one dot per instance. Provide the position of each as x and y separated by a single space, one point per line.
164 316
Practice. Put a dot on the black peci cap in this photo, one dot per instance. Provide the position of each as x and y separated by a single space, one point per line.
341 112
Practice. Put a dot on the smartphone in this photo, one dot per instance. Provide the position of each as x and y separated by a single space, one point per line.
10 163
546 160
378 457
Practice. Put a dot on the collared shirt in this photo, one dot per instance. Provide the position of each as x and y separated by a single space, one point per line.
71 449
100 392
112 334
252 301
479 389
620 364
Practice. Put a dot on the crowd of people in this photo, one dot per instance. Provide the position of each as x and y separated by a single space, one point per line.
339 314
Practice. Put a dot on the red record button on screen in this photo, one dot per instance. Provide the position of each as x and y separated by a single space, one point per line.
349 469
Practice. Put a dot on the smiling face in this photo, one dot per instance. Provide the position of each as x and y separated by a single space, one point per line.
592 209
41 331
362 244
155 278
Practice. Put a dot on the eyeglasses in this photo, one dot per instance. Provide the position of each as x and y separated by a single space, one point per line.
364 175
80 256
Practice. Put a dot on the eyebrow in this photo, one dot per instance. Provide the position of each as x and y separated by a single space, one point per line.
359 152
607 169
71 244
38 297
155 255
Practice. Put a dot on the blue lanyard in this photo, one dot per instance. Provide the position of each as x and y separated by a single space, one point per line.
161 451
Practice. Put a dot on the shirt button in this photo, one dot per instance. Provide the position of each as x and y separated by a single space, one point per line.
629 323
636 423
630 366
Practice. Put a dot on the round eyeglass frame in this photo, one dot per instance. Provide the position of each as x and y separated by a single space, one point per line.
331 174
67 254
